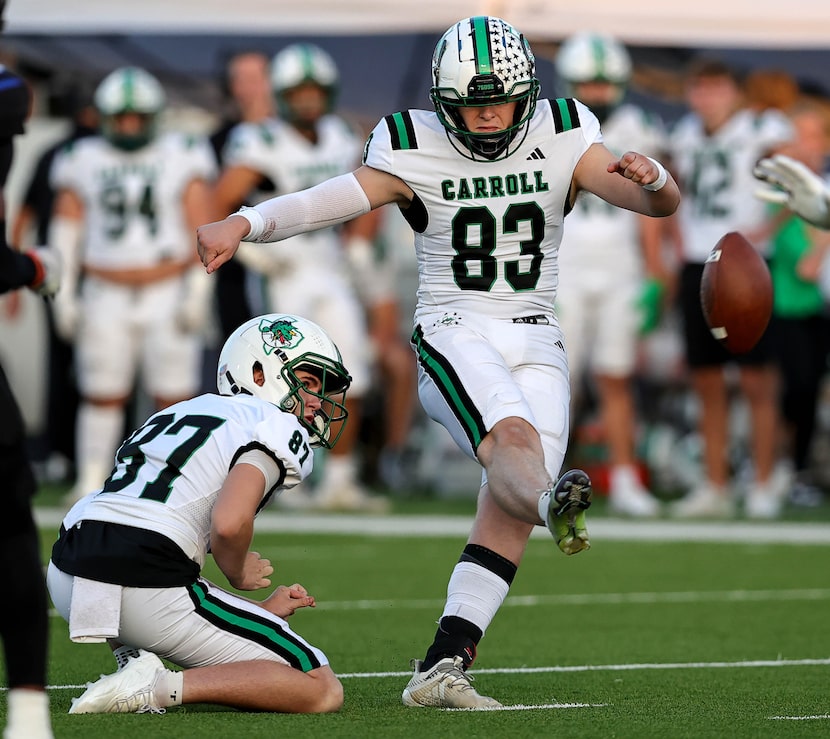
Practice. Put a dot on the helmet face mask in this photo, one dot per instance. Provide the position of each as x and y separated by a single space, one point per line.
484 61
266 356
303 64
129 91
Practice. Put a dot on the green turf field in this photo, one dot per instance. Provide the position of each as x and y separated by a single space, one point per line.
631 639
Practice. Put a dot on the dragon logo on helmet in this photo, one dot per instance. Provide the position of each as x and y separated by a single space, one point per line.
279 334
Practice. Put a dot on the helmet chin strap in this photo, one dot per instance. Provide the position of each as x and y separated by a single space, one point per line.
321 425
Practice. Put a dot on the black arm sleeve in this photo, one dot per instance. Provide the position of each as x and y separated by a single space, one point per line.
16 269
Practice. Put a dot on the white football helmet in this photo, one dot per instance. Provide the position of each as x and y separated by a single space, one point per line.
281 345
129 90
593 57
300 63
484 61
587 57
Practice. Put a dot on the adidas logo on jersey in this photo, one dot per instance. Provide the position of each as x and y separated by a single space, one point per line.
536 154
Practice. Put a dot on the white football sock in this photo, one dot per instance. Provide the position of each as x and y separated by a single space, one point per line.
168 688
27 715
544 503
99 434
474 594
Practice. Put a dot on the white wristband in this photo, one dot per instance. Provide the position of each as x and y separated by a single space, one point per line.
662 177
256 221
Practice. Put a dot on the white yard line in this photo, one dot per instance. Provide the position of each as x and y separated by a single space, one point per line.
522 707
598 599
821 717
587 599
607 529
745 664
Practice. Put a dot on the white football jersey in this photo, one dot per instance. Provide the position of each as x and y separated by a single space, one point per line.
715 174
599 235
278 151
486 232
168 473
132 200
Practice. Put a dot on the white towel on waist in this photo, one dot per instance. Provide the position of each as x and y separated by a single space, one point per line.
95 610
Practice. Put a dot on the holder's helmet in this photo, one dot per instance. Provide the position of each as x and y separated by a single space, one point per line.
484 61
129 90
280 345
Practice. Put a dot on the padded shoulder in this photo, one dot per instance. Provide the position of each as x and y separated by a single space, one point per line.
401 130
565 114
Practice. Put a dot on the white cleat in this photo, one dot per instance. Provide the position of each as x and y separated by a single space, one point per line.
446 685
707 501
349 496
130 690
298 498
627 495
764 500
634 501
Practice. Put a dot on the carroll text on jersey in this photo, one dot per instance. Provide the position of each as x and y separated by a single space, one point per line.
497 186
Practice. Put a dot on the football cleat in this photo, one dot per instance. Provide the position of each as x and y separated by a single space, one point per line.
446 685
707 501
765 499
567 503
130 690
628 497
124 654
348 496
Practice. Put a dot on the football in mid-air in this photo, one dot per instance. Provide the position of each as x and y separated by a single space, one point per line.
736 293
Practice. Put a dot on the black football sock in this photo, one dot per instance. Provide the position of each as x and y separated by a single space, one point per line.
455 637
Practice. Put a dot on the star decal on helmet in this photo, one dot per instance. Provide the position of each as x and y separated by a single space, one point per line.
510 55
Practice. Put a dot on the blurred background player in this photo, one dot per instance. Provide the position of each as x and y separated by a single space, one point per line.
31 226
714 148
127 205
304 146
795 185
610 266
802 331
375 271
247 85
24 626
